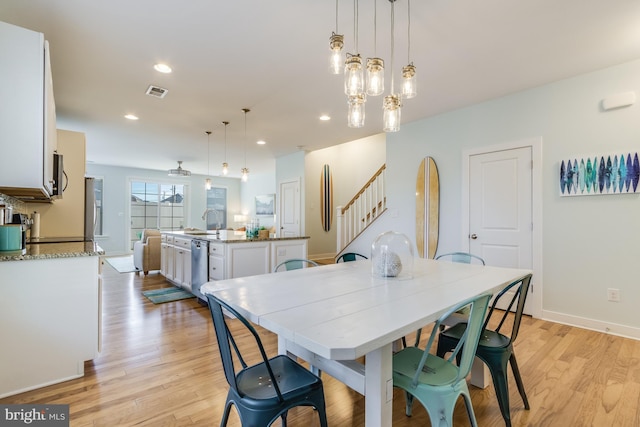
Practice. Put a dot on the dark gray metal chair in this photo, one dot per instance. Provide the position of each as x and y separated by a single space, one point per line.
264 392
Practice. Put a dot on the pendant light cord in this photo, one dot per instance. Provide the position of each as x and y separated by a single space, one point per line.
393 42
408 31
375 28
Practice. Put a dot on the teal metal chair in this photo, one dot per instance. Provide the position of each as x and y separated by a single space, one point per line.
436 382
462 257
350 256
494 348
294 264
264 392
461 315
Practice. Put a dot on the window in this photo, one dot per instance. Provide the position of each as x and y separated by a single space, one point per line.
155 205
216 208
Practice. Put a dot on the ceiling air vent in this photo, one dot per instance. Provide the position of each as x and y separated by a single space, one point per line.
156 91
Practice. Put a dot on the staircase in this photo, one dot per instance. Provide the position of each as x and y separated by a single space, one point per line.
363 209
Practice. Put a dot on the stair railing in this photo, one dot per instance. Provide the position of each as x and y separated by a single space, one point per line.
361 211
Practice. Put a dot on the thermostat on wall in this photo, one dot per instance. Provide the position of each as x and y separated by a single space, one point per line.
619 100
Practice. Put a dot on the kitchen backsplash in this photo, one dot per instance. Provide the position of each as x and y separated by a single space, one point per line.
17 205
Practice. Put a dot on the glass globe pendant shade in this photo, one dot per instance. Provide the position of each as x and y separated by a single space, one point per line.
391 116
375 76
409 81
225 168
245 174
335 61
355 115
353 75
207 183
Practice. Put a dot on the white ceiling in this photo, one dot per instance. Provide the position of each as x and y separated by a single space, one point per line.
272 57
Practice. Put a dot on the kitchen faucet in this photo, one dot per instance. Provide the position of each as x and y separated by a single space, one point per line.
206 213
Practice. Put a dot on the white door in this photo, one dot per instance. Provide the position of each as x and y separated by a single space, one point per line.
289 207
500 209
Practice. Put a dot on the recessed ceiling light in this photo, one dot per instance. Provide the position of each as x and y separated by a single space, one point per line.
325 117
162 68
131 117
261 142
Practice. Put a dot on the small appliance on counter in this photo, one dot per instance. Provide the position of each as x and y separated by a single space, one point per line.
24 222
11 239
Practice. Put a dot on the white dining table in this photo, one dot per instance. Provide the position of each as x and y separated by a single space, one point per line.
334 314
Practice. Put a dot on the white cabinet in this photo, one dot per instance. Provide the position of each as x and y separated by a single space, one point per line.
182 262
50 312
27 113
216 261
282 250
247 259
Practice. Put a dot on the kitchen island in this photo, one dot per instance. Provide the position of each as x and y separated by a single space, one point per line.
231 255
50 314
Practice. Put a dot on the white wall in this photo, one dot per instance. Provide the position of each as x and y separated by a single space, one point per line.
589 243
116 200
351 165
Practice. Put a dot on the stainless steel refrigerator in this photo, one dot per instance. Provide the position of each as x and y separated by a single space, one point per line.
91 211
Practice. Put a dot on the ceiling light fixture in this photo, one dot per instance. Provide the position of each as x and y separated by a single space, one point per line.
325 117
354 84
353 73
179 171
409 71
336 43
162 68
131 117
244 170
375 65
225 165
207 182
392 105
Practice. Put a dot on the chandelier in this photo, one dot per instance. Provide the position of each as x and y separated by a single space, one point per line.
356 88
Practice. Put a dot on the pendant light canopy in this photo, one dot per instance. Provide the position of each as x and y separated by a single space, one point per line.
179 171
225 165
245 170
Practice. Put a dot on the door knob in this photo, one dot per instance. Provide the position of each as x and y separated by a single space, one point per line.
474 236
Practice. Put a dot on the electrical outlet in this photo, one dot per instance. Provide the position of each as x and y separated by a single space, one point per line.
613 295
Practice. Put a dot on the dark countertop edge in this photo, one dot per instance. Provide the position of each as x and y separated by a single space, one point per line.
212 238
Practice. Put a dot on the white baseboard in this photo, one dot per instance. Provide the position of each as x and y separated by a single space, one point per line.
593 325
322 256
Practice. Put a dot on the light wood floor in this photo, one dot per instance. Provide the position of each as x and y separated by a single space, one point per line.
160 366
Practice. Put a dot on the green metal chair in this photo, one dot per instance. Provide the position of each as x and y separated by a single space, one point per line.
435 382
350 256
295 263
264 392
494 348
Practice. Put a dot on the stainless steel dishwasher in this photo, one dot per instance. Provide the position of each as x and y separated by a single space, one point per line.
199 267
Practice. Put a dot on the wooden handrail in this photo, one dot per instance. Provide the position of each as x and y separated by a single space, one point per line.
364 188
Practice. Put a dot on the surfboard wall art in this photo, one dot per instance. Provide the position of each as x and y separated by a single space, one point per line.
326 198
596 175
427 208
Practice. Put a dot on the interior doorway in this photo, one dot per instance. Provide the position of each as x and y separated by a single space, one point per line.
289 209
502 209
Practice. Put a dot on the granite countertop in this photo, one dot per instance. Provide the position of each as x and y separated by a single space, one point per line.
53 250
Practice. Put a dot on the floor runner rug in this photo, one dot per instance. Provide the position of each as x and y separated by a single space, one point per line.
160 296
123 264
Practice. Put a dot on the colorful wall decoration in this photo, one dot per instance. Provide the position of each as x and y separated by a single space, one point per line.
596 175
